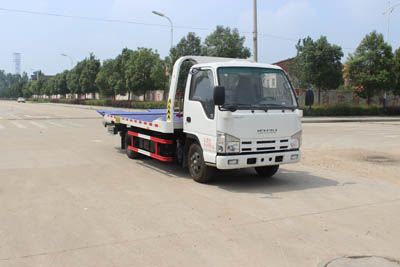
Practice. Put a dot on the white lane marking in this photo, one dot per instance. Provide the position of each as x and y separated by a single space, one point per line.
74 124
56 124
1 126
37 124
391 136
1 118
19 125
37 117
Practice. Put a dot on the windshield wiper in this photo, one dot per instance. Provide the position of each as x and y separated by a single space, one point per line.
281 106
251 107
230 107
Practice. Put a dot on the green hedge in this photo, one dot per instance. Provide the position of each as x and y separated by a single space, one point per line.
350 110
40 100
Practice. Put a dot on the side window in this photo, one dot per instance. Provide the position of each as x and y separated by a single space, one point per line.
201 89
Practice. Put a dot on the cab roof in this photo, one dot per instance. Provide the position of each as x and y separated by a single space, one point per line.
235 63
215 62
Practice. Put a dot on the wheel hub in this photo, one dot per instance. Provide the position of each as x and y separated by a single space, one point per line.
195 162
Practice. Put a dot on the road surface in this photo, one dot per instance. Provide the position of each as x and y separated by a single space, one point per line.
70 197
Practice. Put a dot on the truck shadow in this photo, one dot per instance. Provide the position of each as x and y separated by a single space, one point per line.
246 180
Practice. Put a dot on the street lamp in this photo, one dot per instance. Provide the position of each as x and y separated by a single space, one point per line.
388 11
70 58
170 22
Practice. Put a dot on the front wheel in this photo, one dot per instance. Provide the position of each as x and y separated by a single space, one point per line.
198 169
267 171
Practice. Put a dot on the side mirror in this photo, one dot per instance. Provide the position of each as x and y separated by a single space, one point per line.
219 95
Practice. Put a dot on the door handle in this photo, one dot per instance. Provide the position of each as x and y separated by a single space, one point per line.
189 119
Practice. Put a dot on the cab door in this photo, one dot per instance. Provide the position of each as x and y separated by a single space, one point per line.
199 110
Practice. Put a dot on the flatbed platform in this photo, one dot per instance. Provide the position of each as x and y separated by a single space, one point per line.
151 119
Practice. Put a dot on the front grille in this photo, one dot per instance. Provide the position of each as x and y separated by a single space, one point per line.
266 148
269 145
266 142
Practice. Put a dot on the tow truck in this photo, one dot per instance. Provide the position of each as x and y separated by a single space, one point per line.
232 114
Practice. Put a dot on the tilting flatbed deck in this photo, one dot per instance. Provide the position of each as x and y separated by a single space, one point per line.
152 119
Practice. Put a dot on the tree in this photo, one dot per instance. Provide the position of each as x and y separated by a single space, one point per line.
121 80
49 87
224 42
141 67
104 78
397 71
61 84
157 75
87 78
317 64
11 84
371 67
188 45
36 87
25 90
73 78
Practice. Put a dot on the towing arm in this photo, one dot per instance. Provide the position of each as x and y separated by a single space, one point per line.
175 77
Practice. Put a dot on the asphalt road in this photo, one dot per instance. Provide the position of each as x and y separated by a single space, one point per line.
70 197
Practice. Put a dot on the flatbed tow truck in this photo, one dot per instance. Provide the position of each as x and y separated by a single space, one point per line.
234 114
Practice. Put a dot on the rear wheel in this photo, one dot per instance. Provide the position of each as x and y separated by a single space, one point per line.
198 169
267 171
130 153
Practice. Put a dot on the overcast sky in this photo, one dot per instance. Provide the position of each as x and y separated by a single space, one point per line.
41 39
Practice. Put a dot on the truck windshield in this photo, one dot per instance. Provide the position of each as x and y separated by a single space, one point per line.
248 87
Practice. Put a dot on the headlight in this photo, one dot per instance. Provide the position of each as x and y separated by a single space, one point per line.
227 143
232 147
295 140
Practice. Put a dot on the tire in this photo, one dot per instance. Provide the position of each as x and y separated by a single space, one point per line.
130 153
267 171
198 169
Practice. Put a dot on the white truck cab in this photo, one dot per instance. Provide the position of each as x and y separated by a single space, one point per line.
236 114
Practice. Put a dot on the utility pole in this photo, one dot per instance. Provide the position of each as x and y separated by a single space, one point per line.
388 11
255 30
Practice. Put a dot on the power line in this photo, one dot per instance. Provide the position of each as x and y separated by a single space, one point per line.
131 22
97 19
262 35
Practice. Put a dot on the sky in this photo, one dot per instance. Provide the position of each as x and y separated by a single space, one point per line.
41 39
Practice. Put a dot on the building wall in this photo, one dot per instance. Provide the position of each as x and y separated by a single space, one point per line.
346 97
154 95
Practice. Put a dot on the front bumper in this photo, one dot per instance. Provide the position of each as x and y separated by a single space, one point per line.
225 162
